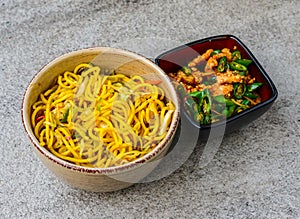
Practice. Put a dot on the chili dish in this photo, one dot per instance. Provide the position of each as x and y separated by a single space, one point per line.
217 85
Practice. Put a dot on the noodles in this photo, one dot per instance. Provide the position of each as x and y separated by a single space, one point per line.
97 120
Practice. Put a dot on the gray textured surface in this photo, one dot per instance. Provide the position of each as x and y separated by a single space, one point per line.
256 171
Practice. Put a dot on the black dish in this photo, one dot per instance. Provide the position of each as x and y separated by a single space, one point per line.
174 59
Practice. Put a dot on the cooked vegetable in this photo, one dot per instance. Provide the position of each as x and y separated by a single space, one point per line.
244 62
243 73
220 99
222 88
250 95
236 55
215 52
205 104
198 94
237 66
186 70
246 102
222 65
239 90
65 117
254 86
192 107
181 90
228 111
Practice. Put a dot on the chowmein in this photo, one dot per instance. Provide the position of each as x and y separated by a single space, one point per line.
97 118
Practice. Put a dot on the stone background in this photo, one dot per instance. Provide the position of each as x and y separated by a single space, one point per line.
254 174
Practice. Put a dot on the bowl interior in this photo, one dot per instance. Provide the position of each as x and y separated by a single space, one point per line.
122 61
173 60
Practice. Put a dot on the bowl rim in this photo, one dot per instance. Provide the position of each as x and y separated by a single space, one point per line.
274 92
93 170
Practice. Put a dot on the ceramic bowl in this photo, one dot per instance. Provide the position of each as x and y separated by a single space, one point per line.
99 179
174 59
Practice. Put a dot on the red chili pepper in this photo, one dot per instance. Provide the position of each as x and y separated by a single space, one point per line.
39 118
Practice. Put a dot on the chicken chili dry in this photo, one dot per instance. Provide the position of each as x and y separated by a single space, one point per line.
217 85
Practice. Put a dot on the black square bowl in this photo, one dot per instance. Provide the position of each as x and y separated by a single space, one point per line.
174 59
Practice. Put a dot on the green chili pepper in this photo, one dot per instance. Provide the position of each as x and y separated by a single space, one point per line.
205 103
236 55
190 102
250 95
200 117
220 99
246 102
204 106
254 86
237 66
224 112
215 52
98 108
223 104
222 64
198 94
181 91
239 90
244 62
243 73
206 120
229 103
231 110
65 117
228 111
219 107
192 107
186 70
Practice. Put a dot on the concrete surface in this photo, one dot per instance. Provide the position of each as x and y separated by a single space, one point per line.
254 174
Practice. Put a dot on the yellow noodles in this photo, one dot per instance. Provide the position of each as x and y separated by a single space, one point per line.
98 120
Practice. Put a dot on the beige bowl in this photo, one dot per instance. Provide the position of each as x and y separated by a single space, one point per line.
99 179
